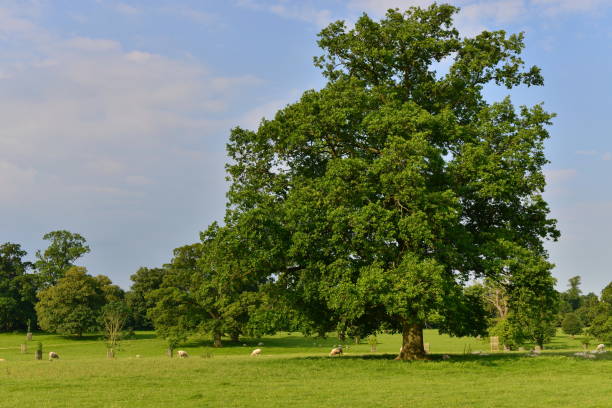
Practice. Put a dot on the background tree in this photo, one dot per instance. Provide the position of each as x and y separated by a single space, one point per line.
394 185
601 325
17 288
209 288
571 324
73 305
144 281
65 247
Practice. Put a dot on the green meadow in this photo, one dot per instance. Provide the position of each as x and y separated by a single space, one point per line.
296 371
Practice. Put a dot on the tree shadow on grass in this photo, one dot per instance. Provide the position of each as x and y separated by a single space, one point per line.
490 360
297 341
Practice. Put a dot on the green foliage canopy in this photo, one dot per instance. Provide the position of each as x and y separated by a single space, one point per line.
17 288
65 247
382 194
73 305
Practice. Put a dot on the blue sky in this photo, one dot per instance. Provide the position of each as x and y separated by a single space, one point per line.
115 114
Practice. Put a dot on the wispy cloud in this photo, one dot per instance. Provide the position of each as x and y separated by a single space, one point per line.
108 120
596 154
303 10
127 9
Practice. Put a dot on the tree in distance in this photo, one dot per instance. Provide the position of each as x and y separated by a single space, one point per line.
208 288
381 195
17 288
73 305
571 324
65 248
601 325
145 280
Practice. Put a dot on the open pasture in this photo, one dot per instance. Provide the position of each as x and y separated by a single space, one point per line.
295 371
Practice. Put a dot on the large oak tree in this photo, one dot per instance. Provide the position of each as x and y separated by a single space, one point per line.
387 190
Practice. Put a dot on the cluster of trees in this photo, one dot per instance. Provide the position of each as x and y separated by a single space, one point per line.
586 314
535 319
371 204
53 293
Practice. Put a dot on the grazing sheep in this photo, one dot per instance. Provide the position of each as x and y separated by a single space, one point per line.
260 344
182 354
256 352
336 351
445 357
600 348
52 355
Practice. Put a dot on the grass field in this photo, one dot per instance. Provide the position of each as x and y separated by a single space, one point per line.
295 371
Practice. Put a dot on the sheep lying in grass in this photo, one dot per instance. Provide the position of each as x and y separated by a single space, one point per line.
53 355
256 352
336 352
182 354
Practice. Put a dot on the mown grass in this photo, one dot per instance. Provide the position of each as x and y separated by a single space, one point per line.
295 371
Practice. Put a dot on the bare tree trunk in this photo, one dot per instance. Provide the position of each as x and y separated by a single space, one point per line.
412 342
217 340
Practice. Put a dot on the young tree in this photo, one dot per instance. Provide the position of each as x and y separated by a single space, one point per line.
394 185
65 248
113 317
73 305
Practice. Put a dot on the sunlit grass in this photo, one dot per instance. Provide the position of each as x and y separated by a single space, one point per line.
296 371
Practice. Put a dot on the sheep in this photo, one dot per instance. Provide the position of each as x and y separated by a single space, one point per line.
260 344
256 352
182 354
335 351
601 348
445 357
52 355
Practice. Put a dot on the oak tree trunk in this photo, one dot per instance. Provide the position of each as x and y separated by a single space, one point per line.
412 342
217 340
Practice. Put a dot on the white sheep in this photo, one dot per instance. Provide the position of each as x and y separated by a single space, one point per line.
182 354
600 348
336 351
256 352
52 355
260 344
